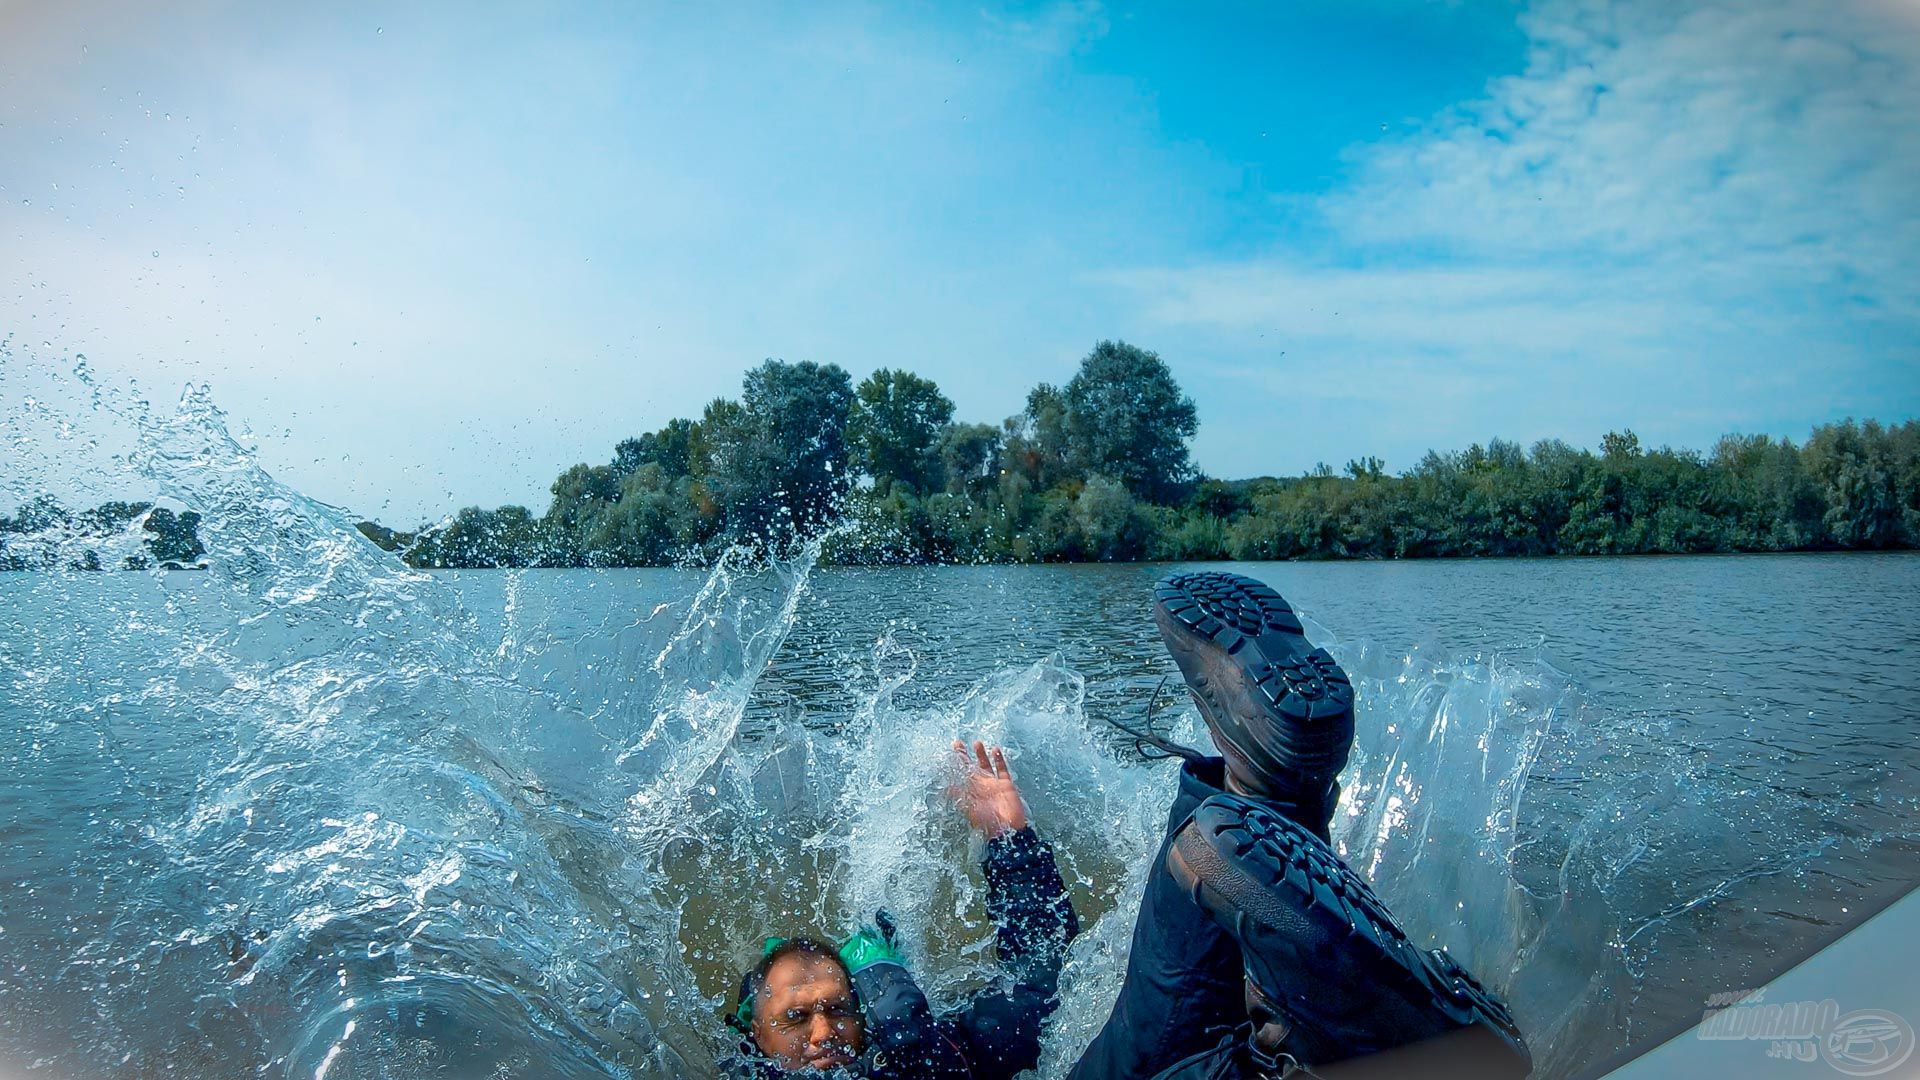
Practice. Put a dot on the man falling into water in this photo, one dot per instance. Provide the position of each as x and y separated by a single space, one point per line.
1256 952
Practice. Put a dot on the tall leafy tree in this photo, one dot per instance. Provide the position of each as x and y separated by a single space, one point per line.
778 459
1764 495
894 430
1034 442
176 537
967 456
507 537
384 538
1128 419
656 521
1110 524
1620 445
580 496
1855 467
36 514
671 448
721 424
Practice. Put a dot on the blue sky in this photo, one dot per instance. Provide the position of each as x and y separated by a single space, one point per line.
430 256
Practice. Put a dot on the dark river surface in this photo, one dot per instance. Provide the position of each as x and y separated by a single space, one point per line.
313 815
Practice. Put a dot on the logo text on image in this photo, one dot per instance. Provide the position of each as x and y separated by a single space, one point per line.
1865 1042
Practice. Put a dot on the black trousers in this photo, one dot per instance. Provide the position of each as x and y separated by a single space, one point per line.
1185 982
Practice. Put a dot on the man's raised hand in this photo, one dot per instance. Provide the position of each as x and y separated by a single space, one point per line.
985 791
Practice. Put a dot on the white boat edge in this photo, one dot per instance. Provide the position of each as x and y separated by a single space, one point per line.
1865 985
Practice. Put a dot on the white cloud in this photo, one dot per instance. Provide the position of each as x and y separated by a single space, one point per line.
1755 142
1666 210
1057 28
545 237
487 251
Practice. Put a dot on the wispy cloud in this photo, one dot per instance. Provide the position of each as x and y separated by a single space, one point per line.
1055 28
1669 204
1756 144
482 249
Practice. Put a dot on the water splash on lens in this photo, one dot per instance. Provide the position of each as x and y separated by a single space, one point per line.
313 814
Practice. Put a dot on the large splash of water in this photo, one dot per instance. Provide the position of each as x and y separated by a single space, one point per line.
352 829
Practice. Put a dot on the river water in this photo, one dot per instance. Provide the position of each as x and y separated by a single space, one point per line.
311 814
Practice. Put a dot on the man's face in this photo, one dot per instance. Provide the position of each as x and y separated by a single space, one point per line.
805 1016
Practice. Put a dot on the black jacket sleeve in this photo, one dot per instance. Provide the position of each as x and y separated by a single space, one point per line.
904 1041
1027 898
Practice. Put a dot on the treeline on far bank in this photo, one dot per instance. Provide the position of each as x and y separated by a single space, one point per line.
43 535
1099 470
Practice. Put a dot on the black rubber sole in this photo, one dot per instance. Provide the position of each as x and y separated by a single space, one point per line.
1271 698
1321 945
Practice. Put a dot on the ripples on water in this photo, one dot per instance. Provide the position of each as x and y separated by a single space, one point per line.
312 814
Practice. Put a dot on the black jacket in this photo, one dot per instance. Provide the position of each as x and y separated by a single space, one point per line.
997 1034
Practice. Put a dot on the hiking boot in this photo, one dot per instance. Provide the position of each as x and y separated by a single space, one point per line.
1281 711
1330 975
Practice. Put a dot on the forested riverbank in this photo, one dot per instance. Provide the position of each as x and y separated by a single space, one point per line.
1099 469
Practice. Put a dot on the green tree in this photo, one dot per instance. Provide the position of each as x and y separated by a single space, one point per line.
894 430
1048 531
722 424
1185 535
961 529
176 537
108 518
1854 467
776 463
968 454
1128 419
1224 499
1763 495
1366 468
1110 523
1033 444
580 496
37 514
671 448
487 539
656 521
1619 445
384 538
1904 449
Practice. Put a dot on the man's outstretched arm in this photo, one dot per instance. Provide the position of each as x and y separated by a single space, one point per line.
1028 901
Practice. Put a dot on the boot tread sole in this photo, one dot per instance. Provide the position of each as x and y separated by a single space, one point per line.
1306 696
1292 894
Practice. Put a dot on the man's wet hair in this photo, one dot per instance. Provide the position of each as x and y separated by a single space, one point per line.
756 980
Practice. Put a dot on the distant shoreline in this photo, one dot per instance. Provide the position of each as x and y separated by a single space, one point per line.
1096 471
696 567
1355 560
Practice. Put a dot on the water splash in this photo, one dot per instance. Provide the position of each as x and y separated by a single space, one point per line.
338 819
